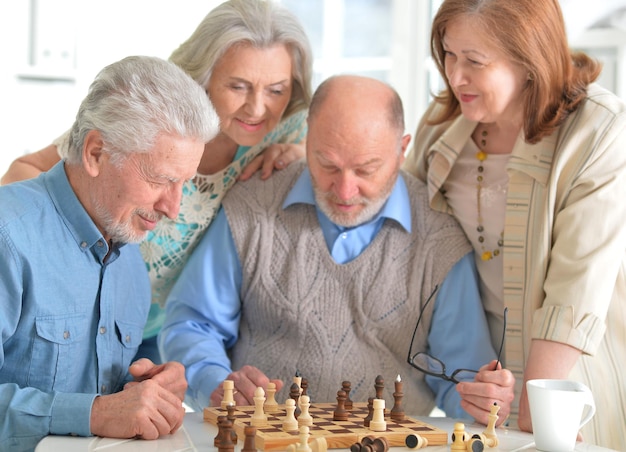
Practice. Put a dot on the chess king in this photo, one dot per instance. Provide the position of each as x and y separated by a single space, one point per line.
326 267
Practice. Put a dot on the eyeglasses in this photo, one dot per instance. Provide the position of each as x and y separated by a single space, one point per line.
430 365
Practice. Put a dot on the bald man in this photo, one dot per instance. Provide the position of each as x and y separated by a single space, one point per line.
325 269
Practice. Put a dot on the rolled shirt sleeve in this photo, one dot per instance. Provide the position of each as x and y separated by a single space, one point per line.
204 309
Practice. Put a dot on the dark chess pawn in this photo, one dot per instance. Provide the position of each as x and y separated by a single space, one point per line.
370 412
249 443
379 385
294 393
346 387
340 413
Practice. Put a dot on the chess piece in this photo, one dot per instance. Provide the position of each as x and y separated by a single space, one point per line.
303 444
397 412
304 385
305 417
340 413
490 435
226 444
318 444
370 412
371 444
415 441
249 443
297 379
231 417
356 447
346 387
379 444
475 444
459 437
229 390
258 418
271 405
378 423
379 385
220 430
294 393
290 423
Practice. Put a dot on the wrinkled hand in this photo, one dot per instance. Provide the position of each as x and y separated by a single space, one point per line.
246 380
489 386
170 375
144 410
275 156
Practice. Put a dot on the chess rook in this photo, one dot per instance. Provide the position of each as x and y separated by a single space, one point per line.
228 386
378 423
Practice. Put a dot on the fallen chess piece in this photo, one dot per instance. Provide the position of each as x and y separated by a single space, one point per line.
371 444
415 441
318 444
459 437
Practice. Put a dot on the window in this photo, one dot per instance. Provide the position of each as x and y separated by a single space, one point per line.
384 39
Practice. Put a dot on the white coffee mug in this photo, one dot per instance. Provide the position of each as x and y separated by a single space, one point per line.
556 411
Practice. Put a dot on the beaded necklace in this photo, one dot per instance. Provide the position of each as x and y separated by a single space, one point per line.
481 156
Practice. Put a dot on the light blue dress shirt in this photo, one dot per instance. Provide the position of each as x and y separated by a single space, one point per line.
204 307
70 321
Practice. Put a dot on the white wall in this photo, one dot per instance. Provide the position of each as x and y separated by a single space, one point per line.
77 38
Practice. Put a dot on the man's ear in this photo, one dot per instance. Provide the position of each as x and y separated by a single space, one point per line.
406 139
93 154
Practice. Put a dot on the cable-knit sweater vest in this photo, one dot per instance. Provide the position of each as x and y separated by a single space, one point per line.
302 311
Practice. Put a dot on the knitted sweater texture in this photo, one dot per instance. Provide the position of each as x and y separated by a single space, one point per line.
302 311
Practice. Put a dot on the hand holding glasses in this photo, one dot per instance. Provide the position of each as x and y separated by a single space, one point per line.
430 365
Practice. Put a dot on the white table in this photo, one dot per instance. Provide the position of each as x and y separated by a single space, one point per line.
197 435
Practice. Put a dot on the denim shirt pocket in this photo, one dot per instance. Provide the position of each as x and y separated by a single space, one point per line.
59 340
130 337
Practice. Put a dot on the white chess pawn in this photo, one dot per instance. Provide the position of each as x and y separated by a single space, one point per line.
303 444
271 406
378 423
290 423
305 417
259 418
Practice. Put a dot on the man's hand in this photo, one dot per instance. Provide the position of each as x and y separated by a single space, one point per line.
275 156
246 380
490 386
144 410
170 375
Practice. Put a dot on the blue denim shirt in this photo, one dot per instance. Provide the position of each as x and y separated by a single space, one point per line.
70 321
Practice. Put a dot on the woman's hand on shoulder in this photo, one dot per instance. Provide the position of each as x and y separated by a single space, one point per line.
274 157
31 165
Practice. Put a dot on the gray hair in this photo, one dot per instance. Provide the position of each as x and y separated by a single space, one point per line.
132 101
260 23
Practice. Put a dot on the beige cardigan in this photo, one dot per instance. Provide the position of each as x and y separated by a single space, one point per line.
564 244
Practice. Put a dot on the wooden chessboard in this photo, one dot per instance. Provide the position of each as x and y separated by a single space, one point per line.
338 434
